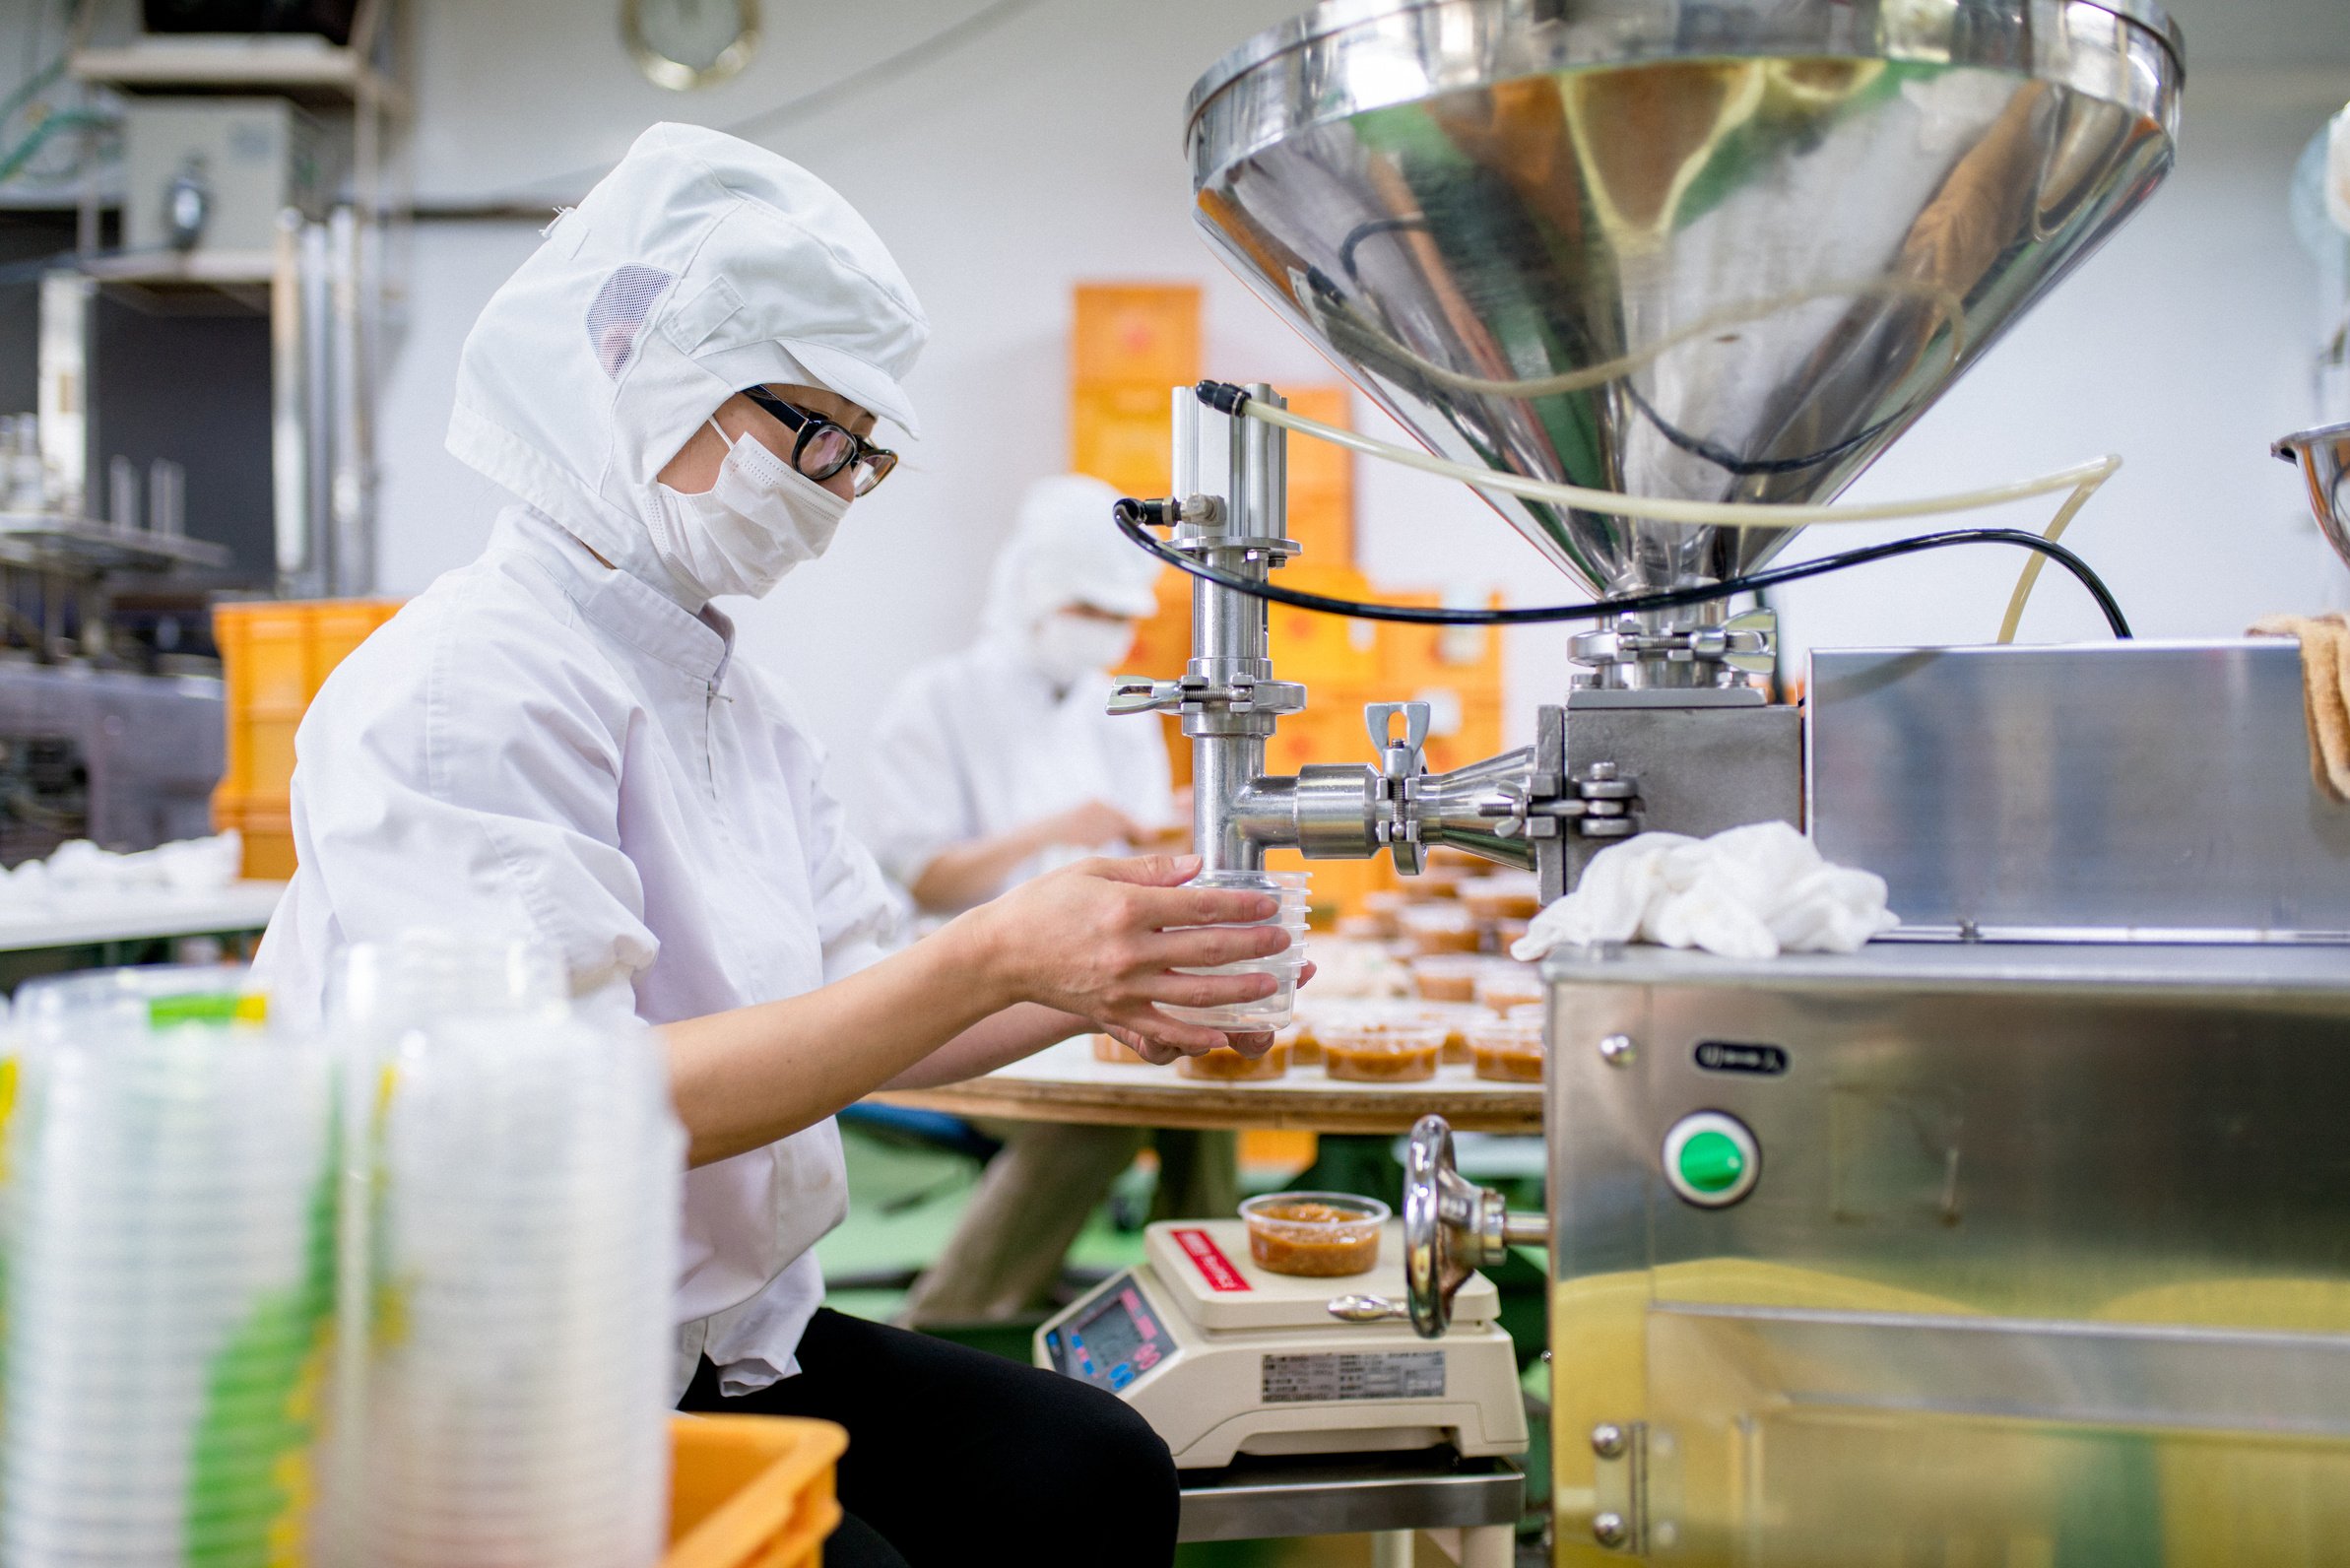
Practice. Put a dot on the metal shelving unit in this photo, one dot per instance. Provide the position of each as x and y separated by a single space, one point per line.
323 284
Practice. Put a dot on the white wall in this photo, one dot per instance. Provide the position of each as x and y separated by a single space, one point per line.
1048 154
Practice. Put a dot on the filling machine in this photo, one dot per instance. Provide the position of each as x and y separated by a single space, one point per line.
2022 1238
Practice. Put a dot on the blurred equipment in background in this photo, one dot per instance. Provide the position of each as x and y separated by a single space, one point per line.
127 760
330 20
192 334
216 174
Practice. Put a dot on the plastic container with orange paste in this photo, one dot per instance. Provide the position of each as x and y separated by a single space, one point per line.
1439 928
1447 976
1396 1050
1507 896
1107 1048
1507 1050
1320 1235
1305 1046
1456 1018
1504 983
1225 1065
1380 907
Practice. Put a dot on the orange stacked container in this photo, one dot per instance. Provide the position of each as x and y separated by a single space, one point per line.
751 1491
275 655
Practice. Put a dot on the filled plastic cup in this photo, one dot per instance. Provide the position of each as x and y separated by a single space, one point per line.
1435 928
1505 983
1447 976
1382 1049
1317 1235
1507 1050
1502 895
1226 1065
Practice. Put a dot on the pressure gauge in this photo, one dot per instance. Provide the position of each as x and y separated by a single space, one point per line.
683 45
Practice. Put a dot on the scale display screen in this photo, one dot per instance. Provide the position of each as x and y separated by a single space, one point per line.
1116 1341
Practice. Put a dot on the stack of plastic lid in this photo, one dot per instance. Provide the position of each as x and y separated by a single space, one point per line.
524 1255
171 1251
1272 1012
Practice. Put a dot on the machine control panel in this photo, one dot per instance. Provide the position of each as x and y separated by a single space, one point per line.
1115 1342
1711 1159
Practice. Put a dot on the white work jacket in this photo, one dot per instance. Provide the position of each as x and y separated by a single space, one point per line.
544 746
979 743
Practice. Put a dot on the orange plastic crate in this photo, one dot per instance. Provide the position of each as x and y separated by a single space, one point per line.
751 1491
266 827
275 655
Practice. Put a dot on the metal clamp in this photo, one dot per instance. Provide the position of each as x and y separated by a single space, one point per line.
1602 805
1400 763
1191 693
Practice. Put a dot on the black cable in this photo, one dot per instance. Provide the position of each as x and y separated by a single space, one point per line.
1130 515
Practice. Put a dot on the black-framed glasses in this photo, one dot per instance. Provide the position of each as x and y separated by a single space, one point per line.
825 448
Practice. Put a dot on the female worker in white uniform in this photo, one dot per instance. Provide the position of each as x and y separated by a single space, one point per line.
991 766
677 387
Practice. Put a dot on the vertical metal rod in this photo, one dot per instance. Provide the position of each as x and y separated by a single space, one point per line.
1229 640
289 455
1183 466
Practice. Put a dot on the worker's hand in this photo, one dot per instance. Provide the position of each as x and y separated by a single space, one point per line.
1248 1045
1091 826
1100 939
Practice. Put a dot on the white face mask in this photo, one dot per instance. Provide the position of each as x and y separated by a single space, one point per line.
1066 648
760 519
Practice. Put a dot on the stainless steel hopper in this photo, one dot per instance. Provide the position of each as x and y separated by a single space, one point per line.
1719 249
2323 457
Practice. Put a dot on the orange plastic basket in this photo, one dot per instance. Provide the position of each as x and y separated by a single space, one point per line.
751 1491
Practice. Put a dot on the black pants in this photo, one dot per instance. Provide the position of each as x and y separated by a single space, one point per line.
957 1456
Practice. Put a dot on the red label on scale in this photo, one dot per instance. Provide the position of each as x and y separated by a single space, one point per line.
1209 1260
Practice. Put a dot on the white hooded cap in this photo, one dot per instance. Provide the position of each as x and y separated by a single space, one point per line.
699 266
1065 551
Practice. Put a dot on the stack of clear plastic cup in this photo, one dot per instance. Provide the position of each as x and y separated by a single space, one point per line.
171 1253
524 1255
58 1007
1266 1013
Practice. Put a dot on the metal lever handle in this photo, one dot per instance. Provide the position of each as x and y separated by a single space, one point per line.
1367 1309
1131 695
1379 719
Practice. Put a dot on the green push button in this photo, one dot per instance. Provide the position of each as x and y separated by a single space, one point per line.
1711 1159
1712 1162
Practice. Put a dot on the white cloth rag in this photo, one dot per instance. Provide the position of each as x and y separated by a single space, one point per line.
1752 892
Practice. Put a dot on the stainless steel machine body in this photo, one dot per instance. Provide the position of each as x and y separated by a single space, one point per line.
2045 1257
2107 792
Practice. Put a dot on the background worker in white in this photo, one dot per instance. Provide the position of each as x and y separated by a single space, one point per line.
1000 760
556 740
995 763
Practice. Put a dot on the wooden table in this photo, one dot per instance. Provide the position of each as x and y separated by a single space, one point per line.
1065 1083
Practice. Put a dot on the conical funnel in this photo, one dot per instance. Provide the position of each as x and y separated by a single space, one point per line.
1713 250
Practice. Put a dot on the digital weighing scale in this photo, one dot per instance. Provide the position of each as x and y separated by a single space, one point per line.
1222 1357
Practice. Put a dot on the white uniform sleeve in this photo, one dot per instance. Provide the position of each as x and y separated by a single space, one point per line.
916 801
462 776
